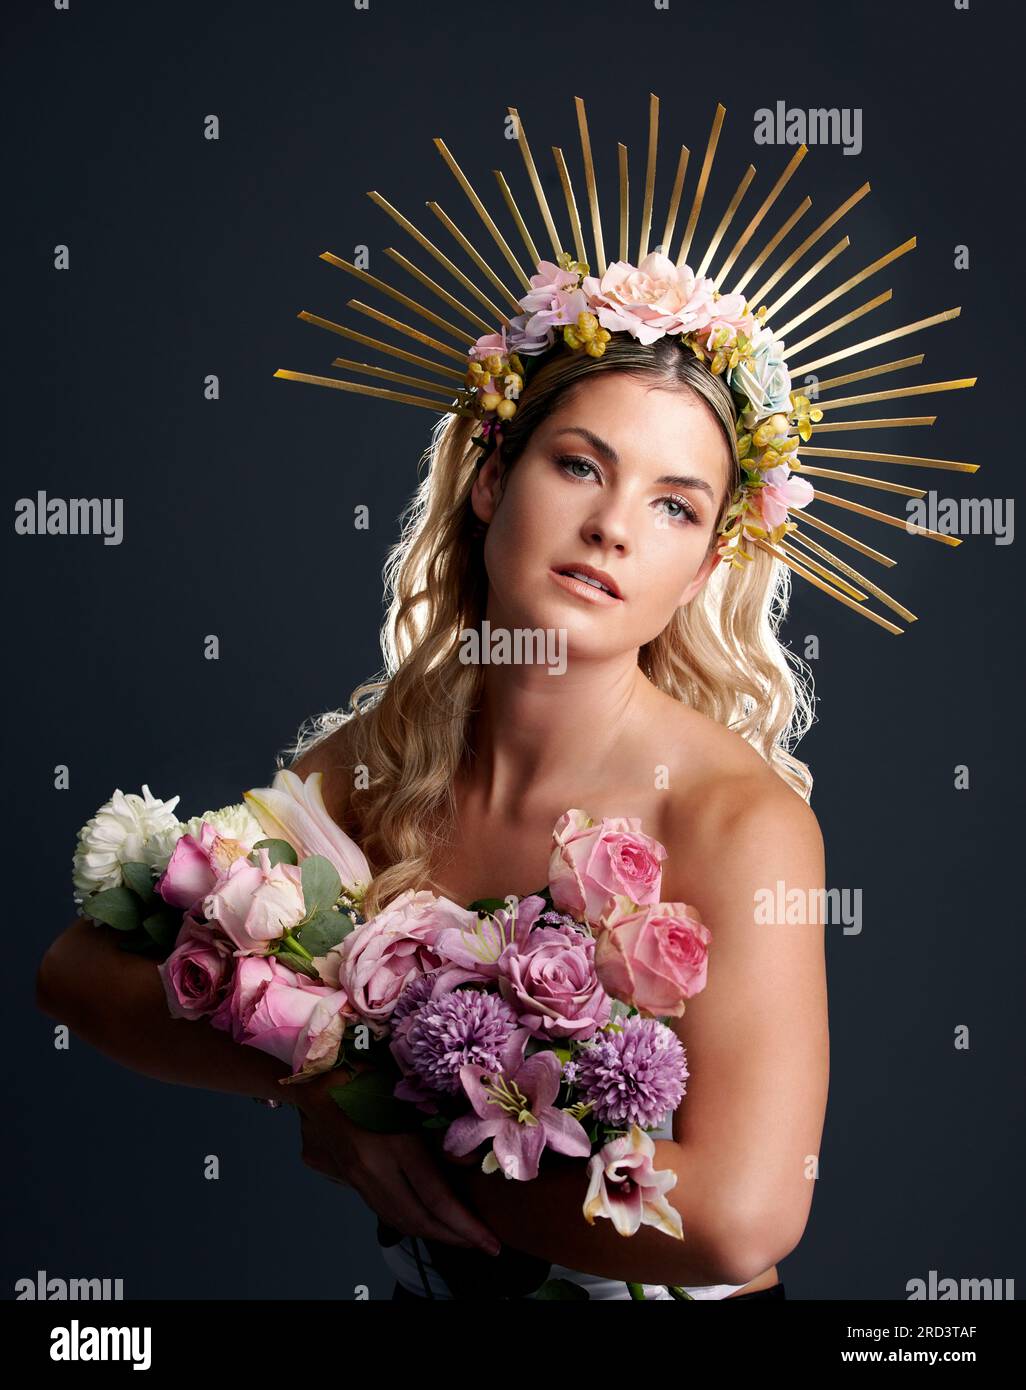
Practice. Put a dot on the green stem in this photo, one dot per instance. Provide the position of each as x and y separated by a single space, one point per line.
675 1291
297 946
637 1291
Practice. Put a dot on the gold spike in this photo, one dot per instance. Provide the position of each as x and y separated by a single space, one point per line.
727 218
892 422
944 317
809 241
843 289
507 193
827 588
356 337
395 294
770 246
822 571
571 203
678 188
624 199
388 375
803 280
902 488
703 180
589 179
841 535
865 457
650 168
867 550
912 527
840 323
475 255
847 569
439 256
768 202
401 327
367 391
873 396
871 371
435 288
482 212
532 174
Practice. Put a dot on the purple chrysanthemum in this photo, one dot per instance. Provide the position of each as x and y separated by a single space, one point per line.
415 994
463 1027
634 1076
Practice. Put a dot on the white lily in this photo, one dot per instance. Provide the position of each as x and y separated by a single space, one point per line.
293 809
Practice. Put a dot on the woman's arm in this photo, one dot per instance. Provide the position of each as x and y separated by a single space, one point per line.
747 1134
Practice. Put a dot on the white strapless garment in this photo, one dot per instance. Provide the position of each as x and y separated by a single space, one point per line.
403 1265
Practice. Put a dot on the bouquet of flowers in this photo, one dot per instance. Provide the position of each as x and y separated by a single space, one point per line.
523 1025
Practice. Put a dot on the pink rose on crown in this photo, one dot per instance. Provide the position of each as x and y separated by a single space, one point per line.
657 297
653 957
593 861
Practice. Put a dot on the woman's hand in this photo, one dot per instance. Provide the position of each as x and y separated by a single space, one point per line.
397 1175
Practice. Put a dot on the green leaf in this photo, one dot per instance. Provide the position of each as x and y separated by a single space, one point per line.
321 884
487 905
561 1289
139 877
369 1103
300 964
117 907
279 852
323 931
163 926
436 1122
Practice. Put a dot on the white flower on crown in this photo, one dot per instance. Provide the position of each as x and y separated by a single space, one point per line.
763 378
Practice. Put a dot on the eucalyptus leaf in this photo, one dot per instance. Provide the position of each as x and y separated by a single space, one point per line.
163 926
369 1103
117 907
323 931
139 877
321 884
278 851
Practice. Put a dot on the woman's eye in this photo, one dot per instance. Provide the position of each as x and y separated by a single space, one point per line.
570 461
686 512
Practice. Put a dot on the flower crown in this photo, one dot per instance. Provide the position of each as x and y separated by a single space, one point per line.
647 302
562 305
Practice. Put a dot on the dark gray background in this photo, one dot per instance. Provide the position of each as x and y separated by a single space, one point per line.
192 257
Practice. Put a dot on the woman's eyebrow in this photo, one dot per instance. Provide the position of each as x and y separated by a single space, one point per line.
602 447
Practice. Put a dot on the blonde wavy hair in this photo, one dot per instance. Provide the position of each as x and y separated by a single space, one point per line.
408 727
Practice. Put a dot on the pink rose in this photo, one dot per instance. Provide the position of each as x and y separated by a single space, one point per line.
551 982
594 861
285 1013
652 299
255 904
654 957
196 865
382 956
197 971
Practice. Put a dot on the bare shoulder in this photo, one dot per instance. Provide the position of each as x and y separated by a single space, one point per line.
727 807
332 756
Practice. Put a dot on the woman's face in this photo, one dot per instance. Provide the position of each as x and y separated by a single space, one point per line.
591 489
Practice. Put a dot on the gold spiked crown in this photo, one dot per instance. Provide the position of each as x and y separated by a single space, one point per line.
565 308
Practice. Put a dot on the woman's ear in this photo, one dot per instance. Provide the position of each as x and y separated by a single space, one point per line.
705 570
484 495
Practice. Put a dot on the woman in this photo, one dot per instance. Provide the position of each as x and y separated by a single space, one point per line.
675 703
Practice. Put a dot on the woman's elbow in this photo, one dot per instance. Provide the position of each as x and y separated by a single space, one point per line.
747 1246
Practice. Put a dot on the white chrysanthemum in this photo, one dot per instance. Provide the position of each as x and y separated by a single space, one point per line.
235 822
115 836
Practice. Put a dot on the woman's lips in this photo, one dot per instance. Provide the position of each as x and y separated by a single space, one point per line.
588 591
